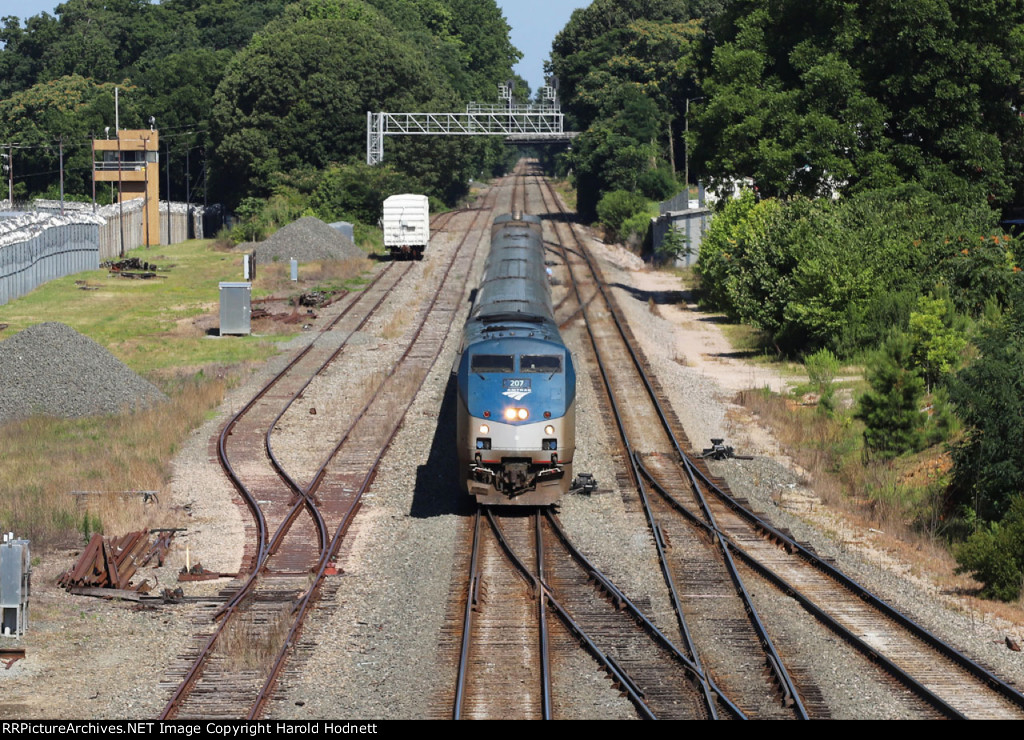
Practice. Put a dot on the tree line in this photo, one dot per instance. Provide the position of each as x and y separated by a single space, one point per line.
263 96
880 147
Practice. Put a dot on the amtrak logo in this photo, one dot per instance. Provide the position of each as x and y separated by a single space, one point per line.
516 388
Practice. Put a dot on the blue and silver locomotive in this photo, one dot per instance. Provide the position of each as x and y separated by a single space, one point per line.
517 384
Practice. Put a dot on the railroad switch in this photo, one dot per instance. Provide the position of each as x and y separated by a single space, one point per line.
720 451
584 483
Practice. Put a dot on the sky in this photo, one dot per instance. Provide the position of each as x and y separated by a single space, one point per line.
534 25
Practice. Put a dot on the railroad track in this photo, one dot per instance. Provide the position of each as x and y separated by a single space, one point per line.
529 589
687 504
712 608
289 566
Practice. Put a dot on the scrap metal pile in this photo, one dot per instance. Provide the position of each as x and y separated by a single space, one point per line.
107 565
132 267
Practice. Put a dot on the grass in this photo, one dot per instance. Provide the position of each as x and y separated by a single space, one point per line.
146 323
253 639
567 191
156 327
901 500
45 459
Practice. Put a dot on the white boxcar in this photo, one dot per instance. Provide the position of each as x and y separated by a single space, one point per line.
406 224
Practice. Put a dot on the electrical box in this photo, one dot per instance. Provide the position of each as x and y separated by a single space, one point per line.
345 228
15 582
235 308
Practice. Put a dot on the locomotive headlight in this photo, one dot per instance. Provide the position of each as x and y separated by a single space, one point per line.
484 429
510 414
549 430
522 414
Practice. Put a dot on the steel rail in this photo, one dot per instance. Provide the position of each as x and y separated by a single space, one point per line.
262 541
542 620
863 593
623 601
543 591
264 548
707 684
327 555
998 685
304 495
229 428
774 660
467 619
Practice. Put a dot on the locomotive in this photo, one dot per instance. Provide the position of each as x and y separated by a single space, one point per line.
516 431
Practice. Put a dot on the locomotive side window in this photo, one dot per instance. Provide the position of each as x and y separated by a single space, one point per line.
540 364
490 363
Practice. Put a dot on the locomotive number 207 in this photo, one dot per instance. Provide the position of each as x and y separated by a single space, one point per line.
516 383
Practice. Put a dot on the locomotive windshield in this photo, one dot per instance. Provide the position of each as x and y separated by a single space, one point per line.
490 363
548 364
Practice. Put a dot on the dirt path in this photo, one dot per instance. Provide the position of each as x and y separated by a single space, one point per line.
700 342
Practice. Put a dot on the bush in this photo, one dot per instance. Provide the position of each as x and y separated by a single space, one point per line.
995 555
717 249
356 192
674 245
822 368
842 275
988 465
657 184
618 207
891 409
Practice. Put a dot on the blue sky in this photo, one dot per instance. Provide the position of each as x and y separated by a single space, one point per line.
534 25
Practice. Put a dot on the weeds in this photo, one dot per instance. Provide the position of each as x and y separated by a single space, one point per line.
47 458
253 639
904 498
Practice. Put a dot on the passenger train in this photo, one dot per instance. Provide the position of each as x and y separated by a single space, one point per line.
516 380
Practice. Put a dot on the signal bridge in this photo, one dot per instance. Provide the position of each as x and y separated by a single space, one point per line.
542 123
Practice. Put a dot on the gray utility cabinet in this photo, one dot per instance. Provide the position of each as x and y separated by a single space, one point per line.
15 580
235 308
345 228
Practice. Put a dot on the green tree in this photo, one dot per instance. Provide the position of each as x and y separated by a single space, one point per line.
68 110
625 69
988 465
994 554
674 245
891 409
815 99
938 337
298 94
822 368
356 191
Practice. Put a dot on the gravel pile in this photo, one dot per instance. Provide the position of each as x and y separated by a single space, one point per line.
52 369
307 240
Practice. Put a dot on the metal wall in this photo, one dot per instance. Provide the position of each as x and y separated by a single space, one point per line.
65 249
54 253
693 223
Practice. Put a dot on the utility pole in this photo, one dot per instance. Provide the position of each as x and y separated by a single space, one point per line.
188 193
61 174
120 193
92 145
686 148
167 169
10 174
